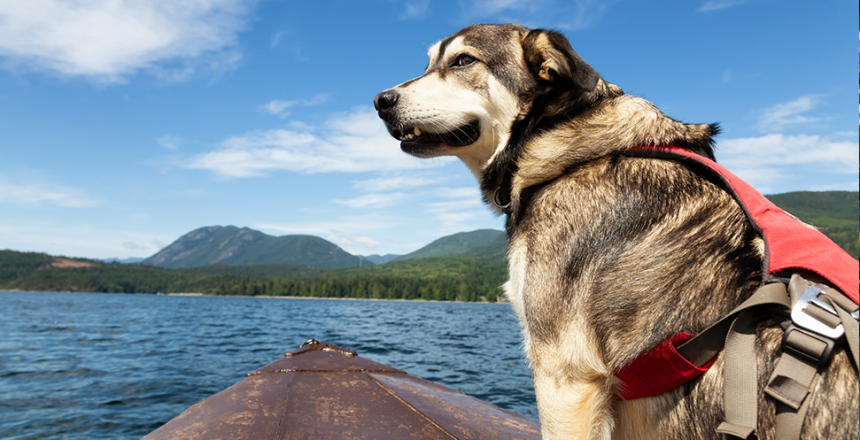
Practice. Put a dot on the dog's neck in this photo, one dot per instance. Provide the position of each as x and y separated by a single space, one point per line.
608 127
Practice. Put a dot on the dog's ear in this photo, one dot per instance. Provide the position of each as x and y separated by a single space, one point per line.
551 59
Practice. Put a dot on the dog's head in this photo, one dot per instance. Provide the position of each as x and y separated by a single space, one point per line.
478 83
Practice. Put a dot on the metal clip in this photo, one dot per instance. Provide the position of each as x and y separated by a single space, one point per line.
498 202
309 342
807 322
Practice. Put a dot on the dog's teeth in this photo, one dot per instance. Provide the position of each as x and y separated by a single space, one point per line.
417 131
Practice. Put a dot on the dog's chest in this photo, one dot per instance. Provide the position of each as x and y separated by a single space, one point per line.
514 288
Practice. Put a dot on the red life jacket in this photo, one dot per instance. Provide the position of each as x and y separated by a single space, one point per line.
789 244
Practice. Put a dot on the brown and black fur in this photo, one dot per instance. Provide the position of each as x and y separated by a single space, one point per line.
609 254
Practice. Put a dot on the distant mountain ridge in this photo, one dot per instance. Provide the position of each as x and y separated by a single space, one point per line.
833 211
462 243
230 245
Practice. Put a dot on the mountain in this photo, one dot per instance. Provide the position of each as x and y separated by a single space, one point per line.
380 259
457 244
230 245
824 204
495 249
834 212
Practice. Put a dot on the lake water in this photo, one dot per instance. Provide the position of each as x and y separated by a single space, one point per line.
111 366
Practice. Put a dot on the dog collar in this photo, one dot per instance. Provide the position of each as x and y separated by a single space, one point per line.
789 245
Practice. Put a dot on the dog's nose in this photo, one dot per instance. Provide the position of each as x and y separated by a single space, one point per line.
385 100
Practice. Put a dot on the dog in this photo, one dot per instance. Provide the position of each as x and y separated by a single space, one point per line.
609 254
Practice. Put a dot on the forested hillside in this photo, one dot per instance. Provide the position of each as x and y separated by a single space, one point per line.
462 279
834 212
456 244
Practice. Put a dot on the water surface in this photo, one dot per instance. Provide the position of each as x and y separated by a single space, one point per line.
114 366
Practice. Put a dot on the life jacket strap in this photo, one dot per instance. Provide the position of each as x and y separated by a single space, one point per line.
804 354
807 347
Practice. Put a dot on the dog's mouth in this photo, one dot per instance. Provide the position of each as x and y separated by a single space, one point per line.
415 140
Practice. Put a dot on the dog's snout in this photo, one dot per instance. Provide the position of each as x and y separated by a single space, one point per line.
385 100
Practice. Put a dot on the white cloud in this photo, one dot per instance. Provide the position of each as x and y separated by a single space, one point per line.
789 113
349 244
276 39
375 200
155 245
774 161
391 183
75 240
345 225
467 192
415 10
462 211
108 40
353 142
577 14
850 185
455 205
41 192
586 12
713 5
278 108
132 246
801 149
493 7
191 192
169 142
727 75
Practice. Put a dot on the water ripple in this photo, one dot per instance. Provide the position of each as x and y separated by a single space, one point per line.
79 365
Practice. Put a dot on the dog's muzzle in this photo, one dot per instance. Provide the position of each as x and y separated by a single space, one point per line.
416 139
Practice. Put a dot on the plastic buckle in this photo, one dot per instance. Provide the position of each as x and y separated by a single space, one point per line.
825 357
801 319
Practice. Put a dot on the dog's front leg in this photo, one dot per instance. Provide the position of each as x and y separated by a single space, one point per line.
574 390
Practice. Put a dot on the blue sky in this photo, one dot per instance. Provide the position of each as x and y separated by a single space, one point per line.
127 123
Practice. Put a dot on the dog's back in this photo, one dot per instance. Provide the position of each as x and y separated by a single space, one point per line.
652 249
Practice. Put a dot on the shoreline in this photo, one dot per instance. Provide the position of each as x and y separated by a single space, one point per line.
331 298
374 299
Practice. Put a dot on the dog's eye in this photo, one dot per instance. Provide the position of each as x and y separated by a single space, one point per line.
463 61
